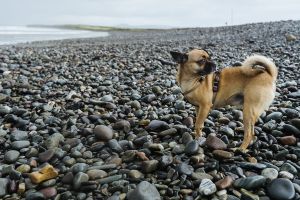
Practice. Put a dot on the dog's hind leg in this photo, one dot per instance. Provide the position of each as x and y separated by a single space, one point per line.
200 118
251 112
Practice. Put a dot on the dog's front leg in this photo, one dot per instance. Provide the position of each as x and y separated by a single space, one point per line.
201 115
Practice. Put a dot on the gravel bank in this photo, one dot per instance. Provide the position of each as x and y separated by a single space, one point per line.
103 118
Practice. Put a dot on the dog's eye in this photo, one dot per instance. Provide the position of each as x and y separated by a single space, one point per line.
201 62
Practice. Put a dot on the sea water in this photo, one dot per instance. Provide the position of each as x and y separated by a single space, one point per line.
22 34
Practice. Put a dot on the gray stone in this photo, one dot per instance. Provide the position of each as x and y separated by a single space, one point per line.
53 140
79 178
207 187
18 135
103 132
20 144
144 191
3 186
281 189
270 173
250 183
11 156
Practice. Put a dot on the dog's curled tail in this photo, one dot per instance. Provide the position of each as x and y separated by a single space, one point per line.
261 63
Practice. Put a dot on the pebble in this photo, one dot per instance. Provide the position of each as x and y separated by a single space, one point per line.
281 189
184 168
144 191
103 132
207 187
79 178
215 143
96 174
250 183
288 140
3 186
11 156
149 166
224 183
270 173
223 154
191 148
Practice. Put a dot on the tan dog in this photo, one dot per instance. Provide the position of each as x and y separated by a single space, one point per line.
251 85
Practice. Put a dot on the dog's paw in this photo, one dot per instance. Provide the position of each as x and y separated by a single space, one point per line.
240 150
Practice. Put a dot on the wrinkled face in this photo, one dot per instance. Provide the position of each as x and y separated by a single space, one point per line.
196 62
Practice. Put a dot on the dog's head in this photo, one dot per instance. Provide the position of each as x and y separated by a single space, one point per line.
196 62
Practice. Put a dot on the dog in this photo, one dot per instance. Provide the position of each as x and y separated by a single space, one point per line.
251 85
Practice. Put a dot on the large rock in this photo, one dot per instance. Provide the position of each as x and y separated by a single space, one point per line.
281 189
144 191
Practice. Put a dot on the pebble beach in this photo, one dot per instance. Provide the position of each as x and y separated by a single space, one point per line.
103 118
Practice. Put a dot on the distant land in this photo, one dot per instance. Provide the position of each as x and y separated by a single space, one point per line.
101 28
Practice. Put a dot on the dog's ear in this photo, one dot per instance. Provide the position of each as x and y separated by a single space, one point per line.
179 57
210 54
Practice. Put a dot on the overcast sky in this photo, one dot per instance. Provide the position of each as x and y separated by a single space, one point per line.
174 13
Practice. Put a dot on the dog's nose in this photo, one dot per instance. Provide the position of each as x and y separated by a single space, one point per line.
212 65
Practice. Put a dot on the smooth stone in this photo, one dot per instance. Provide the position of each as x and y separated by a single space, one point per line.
115 146
157 125
24 168
246 195
122 125
149 166
184 168
285 174
165 161
250 183
201 175
79 178
207 187
252 166
191 148
227 130
296 123
3 186
290 129
281 189
288 140
289 168
49 192
35 196
170 131
270 173
144 191
79 167
103 132
54 140
110 179
96 174
46 155
186 138
17 145
107 98
224 183
215 143
135 174
11 156
274 116
223 154
18 135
